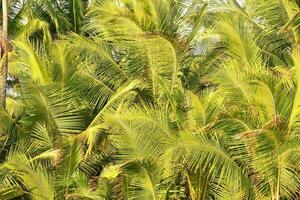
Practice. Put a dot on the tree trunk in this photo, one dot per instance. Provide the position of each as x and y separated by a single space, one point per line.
4 53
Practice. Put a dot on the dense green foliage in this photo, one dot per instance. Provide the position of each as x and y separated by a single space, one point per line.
152 99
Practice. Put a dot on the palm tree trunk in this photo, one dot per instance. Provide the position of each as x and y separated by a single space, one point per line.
4 53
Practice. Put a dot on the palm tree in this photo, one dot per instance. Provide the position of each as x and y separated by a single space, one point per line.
4 52
63 16
152 100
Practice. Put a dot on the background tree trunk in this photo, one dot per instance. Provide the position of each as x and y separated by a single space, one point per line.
4 53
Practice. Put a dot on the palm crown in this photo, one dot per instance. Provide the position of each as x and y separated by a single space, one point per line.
152 99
